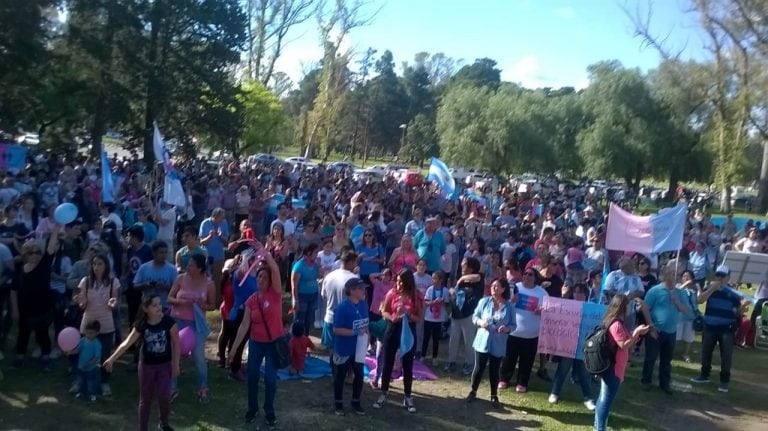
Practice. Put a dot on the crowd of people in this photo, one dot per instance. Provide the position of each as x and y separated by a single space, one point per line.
355 262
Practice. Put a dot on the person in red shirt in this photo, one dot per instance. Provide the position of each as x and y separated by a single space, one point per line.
299 345
263 319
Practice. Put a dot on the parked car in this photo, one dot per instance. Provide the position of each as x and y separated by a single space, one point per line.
342 166
368 175
380 169
264 158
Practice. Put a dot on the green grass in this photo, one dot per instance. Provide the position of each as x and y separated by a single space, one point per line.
35 401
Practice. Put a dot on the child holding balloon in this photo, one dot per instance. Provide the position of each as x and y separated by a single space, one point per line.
158 361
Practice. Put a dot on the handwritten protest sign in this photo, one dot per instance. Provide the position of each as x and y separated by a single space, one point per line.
565 324
559 329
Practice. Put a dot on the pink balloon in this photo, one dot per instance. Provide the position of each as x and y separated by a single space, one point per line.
68 339
187 339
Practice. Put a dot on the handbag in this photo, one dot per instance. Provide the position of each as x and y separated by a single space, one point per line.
282 351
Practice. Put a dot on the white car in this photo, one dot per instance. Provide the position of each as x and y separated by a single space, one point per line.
263 158
342 166
379 169
302 162
368 175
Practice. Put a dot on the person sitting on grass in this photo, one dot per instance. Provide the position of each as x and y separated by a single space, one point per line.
300 344
158 335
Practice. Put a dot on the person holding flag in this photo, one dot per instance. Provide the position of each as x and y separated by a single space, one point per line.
439 173
400 304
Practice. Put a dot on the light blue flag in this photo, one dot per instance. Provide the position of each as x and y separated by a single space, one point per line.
606 271
107 185
406 337
439 173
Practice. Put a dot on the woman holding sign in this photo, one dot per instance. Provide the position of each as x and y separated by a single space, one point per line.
495 318
524 340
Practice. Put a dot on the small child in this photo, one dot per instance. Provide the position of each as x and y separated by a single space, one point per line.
88 362
299 345
435 300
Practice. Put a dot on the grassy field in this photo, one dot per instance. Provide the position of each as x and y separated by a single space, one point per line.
30 400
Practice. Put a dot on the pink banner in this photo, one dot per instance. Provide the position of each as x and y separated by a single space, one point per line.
628 232
560 324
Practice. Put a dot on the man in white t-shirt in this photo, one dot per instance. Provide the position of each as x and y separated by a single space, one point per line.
289 227
332 293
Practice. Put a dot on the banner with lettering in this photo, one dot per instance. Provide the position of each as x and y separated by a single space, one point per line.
12 157
565 324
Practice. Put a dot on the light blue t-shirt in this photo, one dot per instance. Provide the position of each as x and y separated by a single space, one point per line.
664 314
89 354
308 276
163 275
150 232
215 246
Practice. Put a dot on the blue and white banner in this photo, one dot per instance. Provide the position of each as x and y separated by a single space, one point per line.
650 234
439 173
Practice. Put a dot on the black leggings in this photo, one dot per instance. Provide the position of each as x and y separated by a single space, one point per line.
523 349
432 330
40 325
494 365
391 343
227 339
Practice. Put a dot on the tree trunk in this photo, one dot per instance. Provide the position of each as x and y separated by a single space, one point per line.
725 199
762 184
674 180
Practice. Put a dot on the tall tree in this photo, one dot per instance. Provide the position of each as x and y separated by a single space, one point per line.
482 72
388 104
268 25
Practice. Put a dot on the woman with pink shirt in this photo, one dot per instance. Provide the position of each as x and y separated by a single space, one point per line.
193 288
623 342
404 256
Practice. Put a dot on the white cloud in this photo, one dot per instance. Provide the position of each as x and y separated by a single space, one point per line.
566 12
528 72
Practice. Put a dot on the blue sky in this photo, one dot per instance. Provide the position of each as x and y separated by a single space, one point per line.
535 42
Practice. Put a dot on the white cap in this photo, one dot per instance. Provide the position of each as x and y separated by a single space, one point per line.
723 270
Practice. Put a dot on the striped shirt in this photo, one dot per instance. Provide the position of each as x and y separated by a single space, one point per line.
722 309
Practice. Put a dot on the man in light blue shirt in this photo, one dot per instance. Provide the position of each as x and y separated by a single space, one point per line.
430 245
214 234
663 305
156 276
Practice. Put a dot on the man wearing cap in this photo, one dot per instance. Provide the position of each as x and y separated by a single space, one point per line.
350 321
720 314
429 244
332 293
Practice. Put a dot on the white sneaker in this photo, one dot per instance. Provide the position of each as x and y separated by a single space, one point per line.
36 353
590 405
380 401
106 390
553 399
55 353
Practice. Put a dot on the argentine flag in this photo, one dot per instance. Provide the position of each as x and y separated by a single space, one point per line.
438 172
107 184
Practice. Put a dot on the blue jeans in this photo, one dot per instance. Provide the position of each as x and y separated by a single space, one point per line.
198 356
662 348
89 382
306 314
609 388
579 372
258 353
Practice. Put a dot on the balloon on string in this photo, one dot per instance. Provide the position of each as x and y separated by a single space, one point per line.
68 339
65 213
187 339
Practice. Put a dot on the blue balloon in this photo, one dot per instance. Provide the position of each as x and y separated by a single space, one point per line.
65 213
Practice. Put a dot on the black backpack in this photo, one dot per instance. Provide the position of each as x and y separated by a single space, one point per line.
599 354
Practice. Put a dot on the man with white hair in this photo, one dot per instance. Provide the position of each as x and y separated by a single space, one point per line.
624 280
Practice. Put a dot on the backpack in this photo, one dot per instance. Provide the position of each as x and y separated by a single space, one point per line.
599 354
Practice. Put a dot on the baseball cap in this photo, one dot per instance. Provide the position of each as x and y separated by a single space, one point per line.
722 271
353 283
